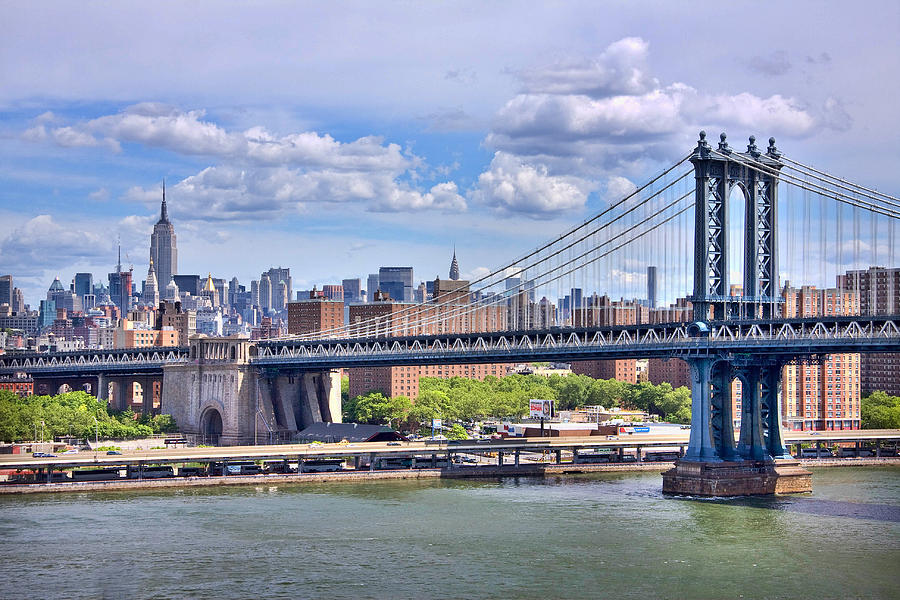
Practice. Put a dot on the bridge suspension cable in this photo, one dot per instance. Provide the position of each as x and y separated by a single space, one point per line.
831 254
499 275
458 311
812 187
801 167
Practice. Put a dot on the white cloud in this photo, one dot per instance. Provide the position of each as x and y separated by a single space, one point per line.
42 243
226 193
775 114
512 186
618 187
620 69
596 116
476 273
160 126
261 175
100 195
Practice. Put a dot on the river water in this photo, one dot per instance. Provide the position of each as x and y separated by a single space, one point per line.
583 536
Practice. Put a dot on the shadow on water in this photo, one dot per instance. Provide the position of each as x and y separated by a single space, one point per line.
808 506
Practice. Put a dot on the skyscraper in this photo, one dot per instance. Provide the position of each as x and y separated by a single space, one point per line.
120 287
265 293
6 290
151 288
352 289
371 286
84 284
163 252
396 281
454 267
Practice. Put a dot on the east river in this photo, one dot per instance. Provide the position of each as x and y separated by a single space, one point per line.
586 536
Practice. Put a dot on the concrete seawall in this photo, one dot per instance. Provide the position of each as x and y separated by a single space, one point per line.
357 476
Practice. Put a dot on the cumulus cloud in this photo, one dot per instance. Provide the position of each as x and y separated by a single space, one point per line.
618 187
620 69
512 186
228 193
68 137
42 243
597 116
260 174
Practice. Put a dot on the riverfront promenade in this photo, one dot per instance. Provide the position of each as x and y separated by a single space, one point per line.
381 460
507 445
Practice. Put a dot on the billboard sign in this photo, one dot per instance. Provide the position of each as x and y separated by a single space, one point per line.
540 409
436 423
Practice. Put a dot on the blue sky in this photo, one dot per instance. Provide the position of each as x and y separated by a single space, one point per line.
337 137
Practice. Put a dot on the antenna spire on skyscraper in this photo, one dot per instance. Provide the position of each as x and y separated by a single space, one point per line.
163 211
454 266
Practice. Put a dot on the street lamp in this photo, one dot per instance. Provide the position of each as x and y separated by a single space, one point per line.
96 430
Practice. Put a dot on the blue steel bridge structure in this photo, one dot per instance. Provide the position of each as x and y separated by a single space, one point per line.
735 228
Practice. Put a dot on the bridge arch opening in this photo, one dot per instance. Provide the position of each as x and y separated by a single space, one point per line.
737 222
64 388
137 397
211 426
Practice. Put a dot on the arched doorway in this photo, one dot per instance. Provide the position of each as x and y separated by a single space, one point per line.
210 426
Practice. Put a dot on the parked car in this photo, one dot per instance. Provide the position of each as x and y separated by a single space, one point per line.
112 452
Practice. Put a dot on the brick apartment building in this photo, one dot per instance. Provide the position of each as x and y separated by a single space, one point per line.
450 312
879 294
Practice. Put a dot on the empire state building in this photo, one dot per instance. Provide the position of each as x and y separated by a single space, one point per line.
163 253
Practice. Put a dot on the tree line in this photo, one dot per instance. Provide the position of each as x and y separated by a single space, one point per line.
462 399
73 413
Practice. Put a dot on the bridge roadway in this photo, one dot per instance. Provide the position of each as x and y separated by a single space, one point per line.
784 339
313 451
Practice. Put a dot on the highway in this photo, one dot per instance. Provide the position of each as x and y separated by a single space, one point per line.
312 451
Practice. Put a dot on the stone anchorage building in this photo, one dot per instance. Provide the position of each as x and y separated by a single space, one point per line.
219 397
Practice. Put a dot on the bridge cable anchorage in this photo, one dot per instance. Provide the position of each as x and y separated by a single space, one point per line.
501 272
796 181
837 179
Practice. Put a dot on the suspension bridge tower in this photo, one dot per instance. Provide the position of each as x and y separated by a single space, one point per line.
759 463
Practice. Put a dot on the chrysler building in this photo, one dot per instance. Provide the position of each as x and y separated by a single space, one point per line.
163 253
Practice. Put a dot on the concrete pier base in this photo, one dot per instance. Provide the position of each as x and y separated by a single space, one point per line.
737 478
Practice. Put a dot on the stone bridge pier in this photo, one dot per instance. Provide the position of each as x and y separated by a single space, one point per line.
219 396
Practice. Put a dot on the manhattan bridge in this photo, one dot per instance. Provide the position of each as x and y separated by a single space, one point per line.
726 229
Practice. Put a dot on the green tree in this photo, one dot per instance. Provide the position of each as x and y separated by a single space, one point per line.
880 411
345 388
376 409
456 432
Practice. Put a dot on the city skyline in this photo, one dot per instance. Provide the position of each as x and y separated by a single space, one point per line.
391 148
